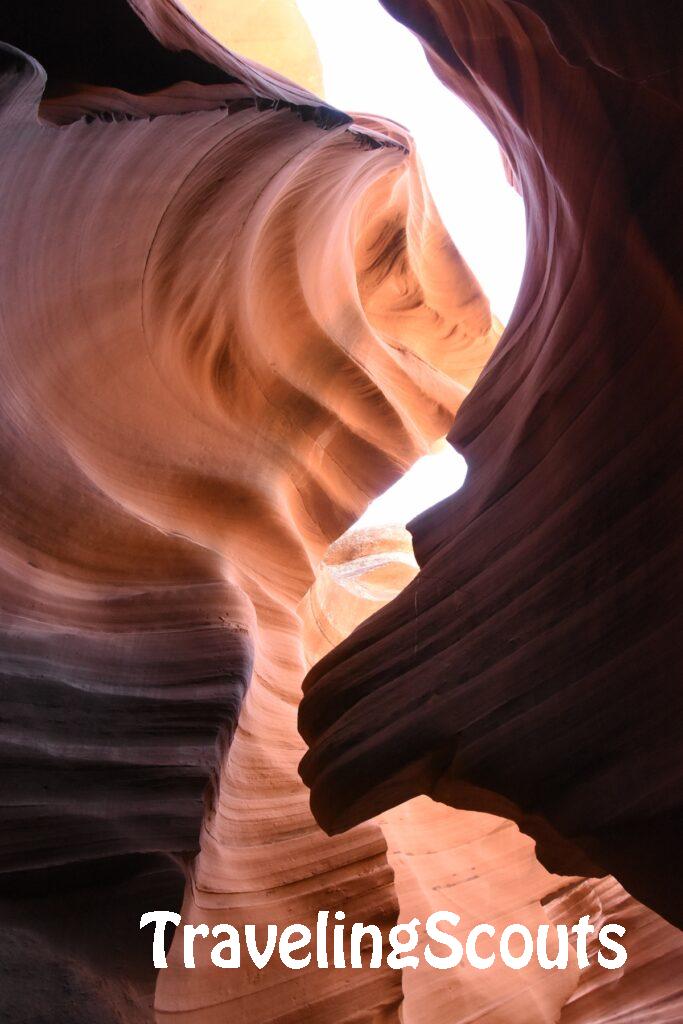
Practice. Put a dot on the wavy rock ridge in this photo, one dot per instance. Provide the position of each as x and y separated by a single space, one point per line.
483 868
230 317
532 667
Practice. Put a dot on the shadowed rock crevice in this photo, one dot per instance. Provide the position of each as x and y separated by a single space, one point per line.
536 656
203 390
230 317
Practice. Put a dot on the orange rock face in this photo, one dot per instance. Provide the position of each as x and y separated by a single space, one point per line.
230 316
224 308
482 868
532 667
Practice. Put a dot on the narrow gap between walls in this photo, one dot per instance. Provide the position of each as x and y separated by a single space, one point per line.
373 64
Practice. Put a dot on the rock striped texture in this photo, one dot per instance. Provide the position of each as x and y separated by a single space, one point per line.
532 668
483 868
223 311
231 316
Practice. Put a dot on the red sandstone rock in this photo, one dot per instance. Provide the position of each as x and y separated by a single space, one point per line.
230 317
482 868
224 307
533 666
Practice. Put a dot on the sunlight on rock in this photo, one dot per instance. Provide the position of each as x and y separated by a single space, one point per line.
271 32
431 479
462 161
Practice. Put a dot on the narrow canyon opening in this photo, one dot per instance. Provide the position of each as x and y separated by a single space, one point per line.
363 61
259 266
372 64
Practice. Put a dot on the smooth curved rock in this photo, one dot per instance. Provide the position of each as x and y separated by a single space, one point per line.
225 309
231 316
474 865
533 667
482 868
274 35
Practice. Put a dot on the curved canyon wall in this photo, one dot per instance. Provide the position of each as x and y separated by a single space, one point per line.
482 868
532 669
230 317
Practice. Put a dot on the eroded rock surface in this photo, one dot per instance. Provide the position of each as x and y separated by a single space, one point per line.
230 317
532 668
483 868
224 310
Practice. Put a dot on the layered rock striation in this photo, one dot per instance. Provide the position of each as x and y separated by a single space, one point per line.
532 667
230 317
483 868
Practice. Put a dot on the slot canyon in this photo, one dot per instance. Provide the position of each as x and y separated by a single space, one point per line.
230 318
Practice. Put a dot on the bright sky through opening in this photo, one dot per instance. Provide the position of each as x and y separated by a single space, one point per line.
372 64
